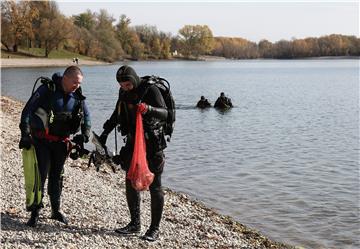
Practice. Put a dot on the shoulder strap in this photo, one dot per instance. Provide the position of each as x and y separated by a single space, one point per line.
147 87
153 81
46 81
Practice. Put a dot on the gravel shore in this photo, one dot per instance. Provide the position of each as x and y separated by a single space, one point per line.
44 62
95 204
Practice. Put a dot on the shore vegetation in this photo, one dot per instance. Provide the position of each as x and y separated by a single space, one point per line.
30 25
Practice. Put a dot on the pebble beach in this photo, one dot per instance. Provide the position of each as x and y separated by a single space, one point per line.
95 204
44 62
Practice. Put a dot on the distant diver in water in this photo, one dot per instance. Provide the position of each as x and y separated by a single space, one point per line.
203 103
223 102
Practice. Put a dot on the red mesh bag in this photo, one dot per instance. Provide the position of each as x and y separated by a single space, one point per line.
139 173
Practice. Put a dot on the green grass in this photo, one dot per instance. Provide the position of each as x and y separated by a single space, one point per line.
40 52
5 54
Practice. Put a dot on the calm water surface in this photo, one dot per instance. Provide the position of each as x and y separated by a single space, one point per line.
284 160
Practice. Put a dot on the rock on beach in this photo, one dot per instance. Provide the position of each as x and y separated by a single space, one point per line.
95 204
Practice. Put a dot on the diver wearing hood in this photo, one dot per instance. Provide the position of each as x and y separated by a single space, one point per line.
203 103
223 102
49 117
136 93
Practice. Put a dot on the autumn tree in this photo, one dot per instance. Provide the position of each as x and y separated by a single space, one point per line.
265 49
283 50
300 48
165 44
175 44
55 28
7 37
313 46
147 35
85 20
156 44
83 37
353 46
196 40
40 24
43 7
230 47
109 47
138 48
16 22
125 34
82 42
235 48
218 47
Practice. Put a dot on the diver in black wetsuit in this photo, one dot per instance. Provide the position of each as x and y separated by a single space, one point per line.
223 102
153 107
203 103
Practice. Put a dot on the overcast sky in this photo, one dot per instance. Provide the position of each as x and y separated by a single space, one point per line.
250 20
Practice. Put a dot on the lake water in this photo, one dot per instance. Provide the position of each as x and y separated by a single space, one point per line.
284 160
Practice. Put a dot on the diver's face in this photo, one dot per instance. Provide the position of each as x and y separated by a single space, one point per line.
71 82
126 85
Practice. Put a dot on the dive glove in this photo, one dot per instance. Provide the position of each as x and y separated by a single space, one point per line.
25 142
117 159
80 139
103 138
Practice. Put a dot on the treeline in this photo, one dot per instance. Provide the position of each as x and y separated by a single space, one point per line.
40 24
331 45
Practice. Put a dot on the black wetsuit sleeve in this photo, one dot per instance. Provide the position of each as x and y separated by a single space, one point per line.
86 125
111 123
155 101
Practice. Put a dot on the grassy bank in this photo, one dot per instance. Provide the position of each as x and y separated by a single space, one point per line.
40 52
34 57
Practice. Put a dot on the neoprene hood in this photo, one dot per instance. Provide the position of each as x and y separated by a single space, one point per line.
127 73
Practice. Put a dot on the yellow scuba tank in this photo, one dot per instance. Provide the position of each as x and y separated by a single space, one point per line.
32 178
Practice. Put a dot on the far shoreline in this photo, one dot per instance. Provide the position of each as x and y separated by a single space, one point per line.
45 62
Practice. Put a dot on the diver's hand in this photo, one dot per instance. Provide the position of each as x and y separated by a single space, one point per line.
103 138
80 139
142 108
116 159
25 142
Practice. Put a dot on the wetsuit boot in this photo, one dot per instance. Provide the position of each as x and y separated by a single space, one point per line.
152 234
56 214
32 222
133 200
157 205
